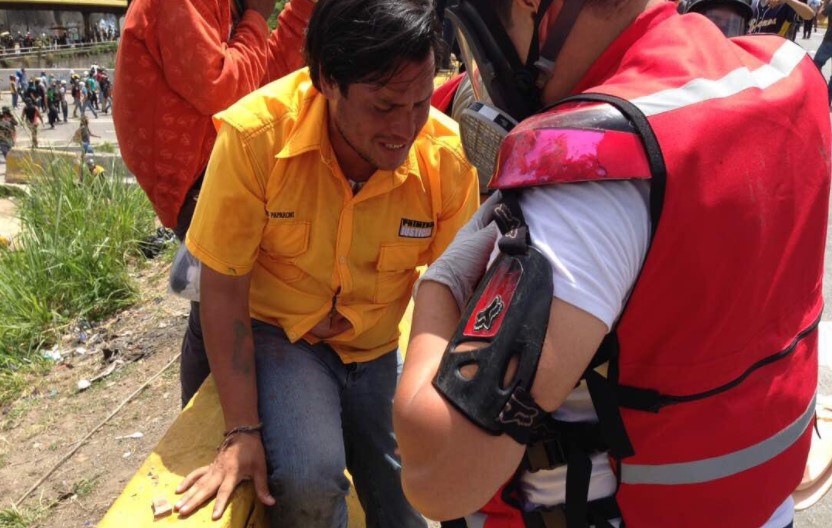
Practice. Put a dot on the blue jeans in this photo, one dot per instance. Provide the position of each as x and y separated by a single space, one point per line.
823 54
88 106
87 148
319 416
14 99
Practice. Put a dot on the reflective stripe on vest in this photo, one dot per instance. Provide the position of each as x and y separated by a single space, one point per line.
782 64
722 466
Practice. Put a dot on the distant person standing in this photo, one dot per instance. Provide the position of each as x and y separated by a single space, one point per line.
84 135
13 90
215 52
106 93
92 91
64 104
40 89
76 96
53 96
31 118
22 78
809 23
86 101
779 17
8 131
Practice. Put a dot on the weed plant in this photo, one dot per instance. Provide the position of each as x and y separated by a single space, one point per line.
69 262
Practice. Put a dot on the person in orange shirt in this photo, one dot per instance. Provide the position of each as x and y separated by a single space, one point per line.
325 192
178 64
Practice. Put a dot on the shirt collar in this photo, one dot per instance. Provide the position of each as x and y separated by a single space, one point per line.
607 64
310 133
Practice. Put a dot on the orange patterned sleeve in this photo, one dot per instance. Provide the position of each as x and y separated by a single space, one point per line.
199 61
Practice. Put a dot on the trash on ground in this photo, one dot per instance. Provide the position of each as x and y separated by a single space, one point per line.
134 436
54 354
84 384
161 508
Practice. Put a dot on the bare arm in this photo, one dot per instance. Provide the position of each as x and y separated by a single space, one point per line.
226 327
804 11
444 468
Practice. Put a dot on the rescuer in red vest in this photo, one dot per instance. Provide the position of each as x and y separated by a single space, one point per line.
642 346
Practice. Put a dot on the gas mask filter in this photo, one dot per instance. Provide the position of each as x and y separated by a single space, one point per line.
483 128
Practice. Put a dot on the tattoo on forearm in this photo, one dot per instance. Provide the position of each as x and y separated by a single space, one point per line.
242 333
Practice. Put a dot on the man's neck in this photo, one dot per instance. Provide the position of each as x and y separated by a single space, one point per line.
594 31
354 166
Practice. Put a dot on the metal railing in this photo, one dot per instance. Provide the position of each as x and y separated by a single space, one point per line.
34 50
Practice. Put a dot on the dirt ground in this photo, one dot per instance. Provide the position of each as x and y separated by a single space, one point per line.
50 420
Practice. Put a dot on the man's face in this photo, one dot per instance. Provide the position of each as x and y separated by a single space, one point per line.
373 126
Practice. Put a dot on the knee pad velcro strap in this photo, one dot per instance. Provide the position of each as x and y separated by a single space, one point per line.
507 318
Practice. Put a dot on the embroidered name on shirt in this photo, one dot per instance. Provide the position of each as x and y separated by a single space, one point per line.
281 214
415 229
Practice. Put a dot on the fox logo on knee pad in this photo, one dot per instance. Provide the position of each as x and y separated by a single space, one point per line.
517 412
485 319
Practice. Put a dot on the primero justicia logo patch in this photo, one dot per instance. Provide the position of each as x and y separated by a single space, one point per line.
415 229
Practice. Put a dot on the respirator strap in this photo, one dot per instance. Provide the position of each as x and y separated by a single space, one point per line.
555 39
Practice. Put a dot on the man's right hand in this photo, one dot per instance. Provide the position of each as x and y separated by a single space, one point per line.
264 7
243 459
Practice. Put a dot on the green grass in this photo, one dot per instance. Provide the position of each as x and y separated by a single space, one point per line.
106 148
84 487
20 517
74 251
10 191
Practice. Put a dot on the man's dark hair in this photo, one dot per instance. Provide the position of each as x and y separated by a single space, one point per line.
368 41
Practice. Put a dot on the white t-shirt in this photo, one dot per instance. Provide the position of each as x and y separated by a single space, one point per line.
596 235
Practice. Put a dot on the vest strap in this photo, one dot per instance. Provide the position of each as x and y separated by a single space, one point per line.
714 468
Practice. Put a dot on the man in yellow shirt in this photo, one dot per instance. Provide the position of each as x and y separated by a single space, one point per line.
325 191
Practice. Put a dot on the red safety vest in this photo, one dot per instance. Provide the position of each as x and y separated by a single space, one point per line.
715 368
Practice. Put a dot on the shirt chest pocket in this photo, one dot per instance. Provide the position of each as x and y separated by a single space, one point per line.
283 243
396 270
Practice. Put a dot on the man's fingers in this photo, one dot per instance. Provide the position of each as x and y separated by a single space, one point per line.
226 489
261 487
192 477
204 489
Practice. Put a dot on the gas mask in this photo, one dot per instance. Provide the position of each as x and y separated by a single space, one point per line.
506 90
730 16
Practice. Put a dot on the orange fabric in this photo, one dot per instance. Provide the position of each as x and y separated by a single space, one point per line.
178 64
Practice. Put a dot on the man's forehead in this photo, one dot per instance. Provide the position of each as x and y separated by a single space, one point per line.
404 83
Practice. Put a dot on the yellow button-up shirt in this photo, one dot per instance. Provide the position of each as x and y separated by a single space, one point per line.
275 204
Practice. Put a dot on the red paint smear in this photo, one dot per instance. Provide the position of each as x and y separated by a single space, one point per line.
564 155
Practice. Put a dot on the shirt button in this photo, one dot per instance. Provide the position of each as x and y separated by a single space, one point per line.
342 259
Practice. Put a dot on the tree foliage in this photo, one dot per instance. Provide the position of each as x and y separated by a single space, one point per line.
278 7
